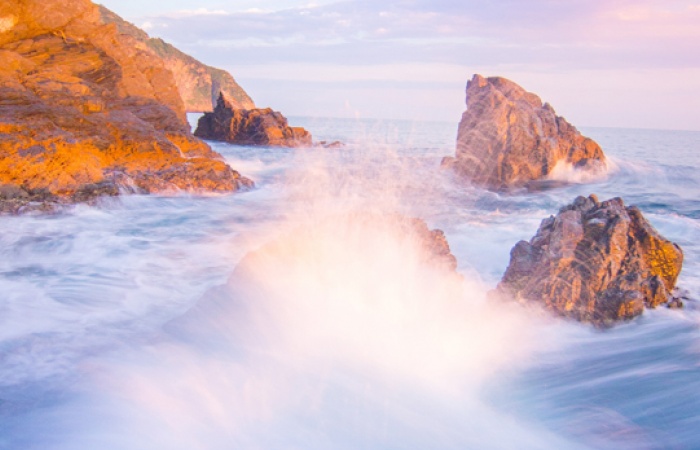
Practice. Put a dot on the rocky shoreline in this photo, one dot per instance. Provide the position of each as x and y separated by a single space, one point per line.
85 113
91 108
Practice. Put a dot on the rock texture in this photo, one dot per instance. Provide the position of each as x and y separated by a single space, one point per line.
595 262
250 127
508 138
84 113
199 85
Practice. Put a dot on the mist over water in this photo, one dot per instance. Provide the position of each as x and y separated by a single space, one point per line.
303 315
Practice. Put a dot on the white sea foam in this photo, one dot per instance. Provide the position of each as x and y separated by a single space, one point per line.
142 324
567 172
338 330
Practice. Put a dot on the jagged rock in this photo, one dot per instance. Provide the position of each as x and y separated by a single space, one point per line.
595 262
199 85
433 242
507 137
80 108
249 127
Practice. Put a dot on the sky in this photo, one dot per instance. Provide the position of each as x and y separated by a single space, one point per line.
610 63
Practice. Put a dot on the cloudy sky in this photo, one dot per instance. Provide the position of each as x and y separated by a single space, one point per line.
617 63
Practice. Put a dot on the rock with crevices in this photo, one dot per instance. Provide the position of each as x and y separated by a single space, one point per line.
508 138
261 126
85 113
597 262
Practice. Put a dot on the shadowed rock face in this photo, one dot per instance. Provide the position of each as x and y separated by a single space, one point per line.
250 127
83 113
199 85
507 137
595 262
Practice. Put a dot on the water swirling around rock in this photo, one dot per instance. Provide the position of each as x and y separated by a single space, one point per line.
353 345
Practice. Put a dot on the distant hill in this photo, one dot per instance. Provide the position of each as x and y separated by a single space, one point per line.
199 84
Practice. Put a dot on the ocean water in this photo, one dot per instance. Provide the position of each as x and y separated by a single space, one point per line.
295 316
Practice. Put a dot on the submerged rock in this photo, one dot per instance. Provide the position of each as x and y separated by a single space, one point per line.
507 137
85 113
327 144
249 126
596 262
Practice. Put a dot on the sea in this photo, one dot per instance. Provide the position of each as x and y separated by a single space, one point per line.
293 316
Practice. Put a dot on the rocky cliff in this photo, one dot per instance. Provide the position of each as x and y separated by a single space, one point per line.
595 262
199 85
250 127
508 137
84 112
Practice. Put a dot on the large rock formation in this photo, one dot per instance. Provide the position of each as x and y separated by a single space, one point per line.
595 262
199 85
507 137
82 112
249 127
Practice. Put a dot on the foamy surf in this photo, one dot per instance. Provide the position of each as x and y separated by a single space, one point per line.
142 324
568 173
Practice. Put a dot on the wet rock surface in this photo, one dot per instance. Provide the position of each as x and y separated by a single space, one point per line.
250 127
597 262
83 113
507 137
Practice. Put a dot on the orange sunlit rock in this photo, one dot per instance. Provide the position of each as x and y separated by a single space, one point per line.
199 85
82 111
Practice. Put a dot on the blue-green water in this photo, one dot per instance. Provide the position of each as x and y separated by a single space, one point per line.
342 344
